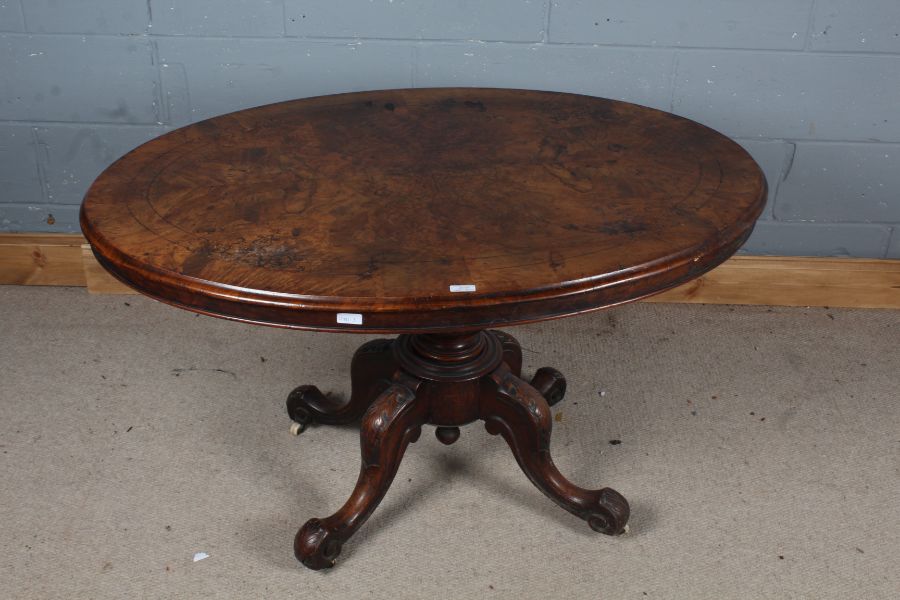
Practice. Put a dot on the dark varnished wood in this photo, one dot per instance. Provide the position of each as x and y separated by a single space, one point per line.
550 383
371 371
487 388
393 421
512 351
375 203
447 435
521 415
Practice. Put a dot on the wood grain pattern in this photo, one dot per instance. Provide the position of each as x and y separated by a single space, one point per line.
97 279
376 203
36 259
754 280
795 281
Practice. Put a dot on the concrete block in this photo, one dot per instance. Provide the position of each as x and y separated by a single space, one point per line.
894 245
11 16
75 155
177 104
97 16
39 217
20 182
815 239
215 17
842 182
72 78
640 76
227 75
705 23
854 26
794 96
772 157
504 20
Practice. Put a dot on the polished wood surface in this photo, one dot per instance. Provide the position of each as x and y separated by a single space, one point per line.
447 381
768 280
434 213
375 203
40 259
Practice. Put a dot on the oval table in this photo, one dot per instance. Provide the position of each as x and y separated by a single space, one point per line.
436 214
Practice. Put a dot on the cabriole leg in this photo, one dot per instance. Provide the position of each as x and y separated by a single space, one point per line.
370 372
393 421
521 415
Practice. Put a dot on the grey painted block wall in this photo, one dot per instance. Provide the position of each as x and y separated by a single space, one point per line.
810 87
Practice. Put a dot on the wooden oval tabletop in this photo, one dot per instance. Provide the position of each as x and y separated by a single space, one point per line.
422 209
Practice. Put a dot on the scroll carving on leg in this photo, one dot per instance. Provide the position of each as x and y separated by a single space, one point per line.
512 351
390 424
521 415
370 372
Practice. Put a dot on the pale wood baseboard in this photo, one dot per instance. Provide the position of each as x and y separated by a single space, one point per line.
795 281
41 259
97 279
66 259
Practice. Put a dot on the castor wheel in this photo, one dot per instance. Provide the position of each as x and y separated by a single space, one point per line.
298 403
550 383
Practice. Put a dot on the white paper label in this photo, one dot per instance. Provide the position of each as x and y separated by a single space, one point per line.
349 318
468 287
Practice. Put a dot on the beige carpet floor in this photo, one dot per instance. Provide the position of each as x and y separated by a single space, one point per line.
760 450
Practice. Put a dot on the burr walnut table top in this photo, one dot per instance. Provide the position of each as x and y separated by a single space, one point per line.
423 210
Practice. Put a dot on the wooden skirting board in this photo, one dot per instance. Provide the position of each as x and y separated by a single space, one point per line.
65 259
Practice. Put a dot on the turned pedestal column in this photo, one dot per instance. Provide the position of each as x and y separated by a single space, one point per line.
445 380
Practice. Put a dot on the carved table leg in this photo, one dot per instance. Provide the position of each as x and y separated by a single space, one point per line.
512 351
445 380
549 382
370 372
521 414
391 423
